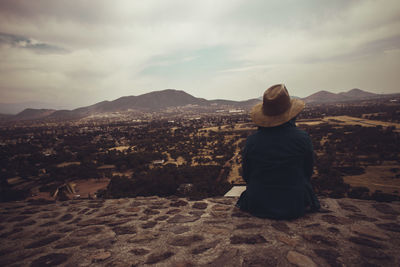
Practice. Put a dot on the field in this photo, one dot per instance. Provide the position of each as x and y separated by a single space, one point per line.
348 120
377 178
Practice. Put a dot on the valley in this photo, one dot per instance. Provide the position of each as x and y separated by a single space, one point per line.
194 155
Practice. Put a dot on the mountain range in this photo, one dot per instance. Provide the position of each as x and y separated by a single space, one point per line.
352 95
159 101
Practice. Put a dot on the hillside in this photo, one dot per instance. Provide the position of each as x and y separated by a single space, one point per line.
159 101
324 96
5 116
358 94
156 101
152 101
153 231
351 95
33 114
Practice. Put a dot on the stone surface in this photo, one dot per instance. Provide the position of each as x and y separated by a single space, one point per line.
393 227
101 256
300 259
157 257
88 231
52 259
369 231
183 219
178 203
248 239
248 226
26 223
186 240
149 224
204 247
281 226
365 242
66 217
139 251
320 240
288 240
178 229
43 242
329 255
104 243
151 211
346 206
154 231
200 205
70 242
229 257
332 219
385 208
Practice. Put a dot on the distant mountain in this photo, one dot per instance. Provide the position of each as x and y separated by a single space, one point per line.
358 94
150 102
159 101
352 95
15 108
323 96
5 116
33 114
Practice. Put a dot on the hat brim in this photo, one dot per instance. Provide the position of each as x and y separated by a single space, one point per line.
260 119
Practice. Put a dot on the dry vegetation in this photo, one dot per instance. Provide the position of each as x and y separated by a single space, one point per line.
356 156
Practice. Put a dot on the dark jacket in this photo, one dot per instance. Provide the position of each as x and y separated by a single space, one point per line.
277 167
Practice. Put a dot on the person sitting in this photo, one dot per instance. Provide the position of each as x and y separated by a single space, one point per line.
278 160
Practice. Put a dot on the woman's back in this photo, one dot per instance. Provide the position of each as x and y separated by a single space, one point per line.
278 164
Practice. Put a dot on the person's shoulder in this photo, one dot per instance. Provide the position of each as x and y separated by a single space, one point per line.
300 132
255 138
251 137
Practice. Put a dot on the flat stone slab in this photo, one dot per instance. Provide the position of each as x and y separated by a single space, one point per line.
155 231
235 191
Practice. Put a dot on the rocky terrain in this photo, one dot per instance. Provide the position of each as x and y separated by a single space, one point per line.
153 231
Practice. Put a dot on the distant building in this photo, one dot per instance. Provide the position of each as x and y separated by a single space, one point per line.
236 110
158 162
48 152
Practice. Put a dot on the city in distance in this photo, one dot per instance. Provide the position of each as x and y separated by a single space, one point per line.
168 100
170 143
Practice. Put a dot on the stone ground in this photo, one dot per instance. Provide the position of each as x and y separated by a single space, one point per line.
153 231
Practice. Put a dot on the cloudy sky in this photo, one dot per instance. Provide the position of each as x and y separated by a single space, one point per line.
75 53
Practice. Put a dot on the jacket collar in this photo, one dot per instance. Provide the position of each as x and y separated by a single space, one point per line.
289 124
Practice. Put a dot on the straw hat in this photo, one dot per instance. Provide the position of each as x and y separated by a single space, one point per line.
277 107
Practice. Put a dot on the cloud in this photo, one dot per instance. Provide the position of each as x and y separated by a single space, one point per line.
247 68
190 63
31 44
80 52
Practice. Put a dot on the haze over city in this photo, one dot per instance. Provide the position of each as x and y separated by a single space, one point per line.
67 54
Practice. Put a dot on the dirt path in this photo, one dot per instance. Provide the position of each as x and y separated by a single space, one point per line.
234 175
